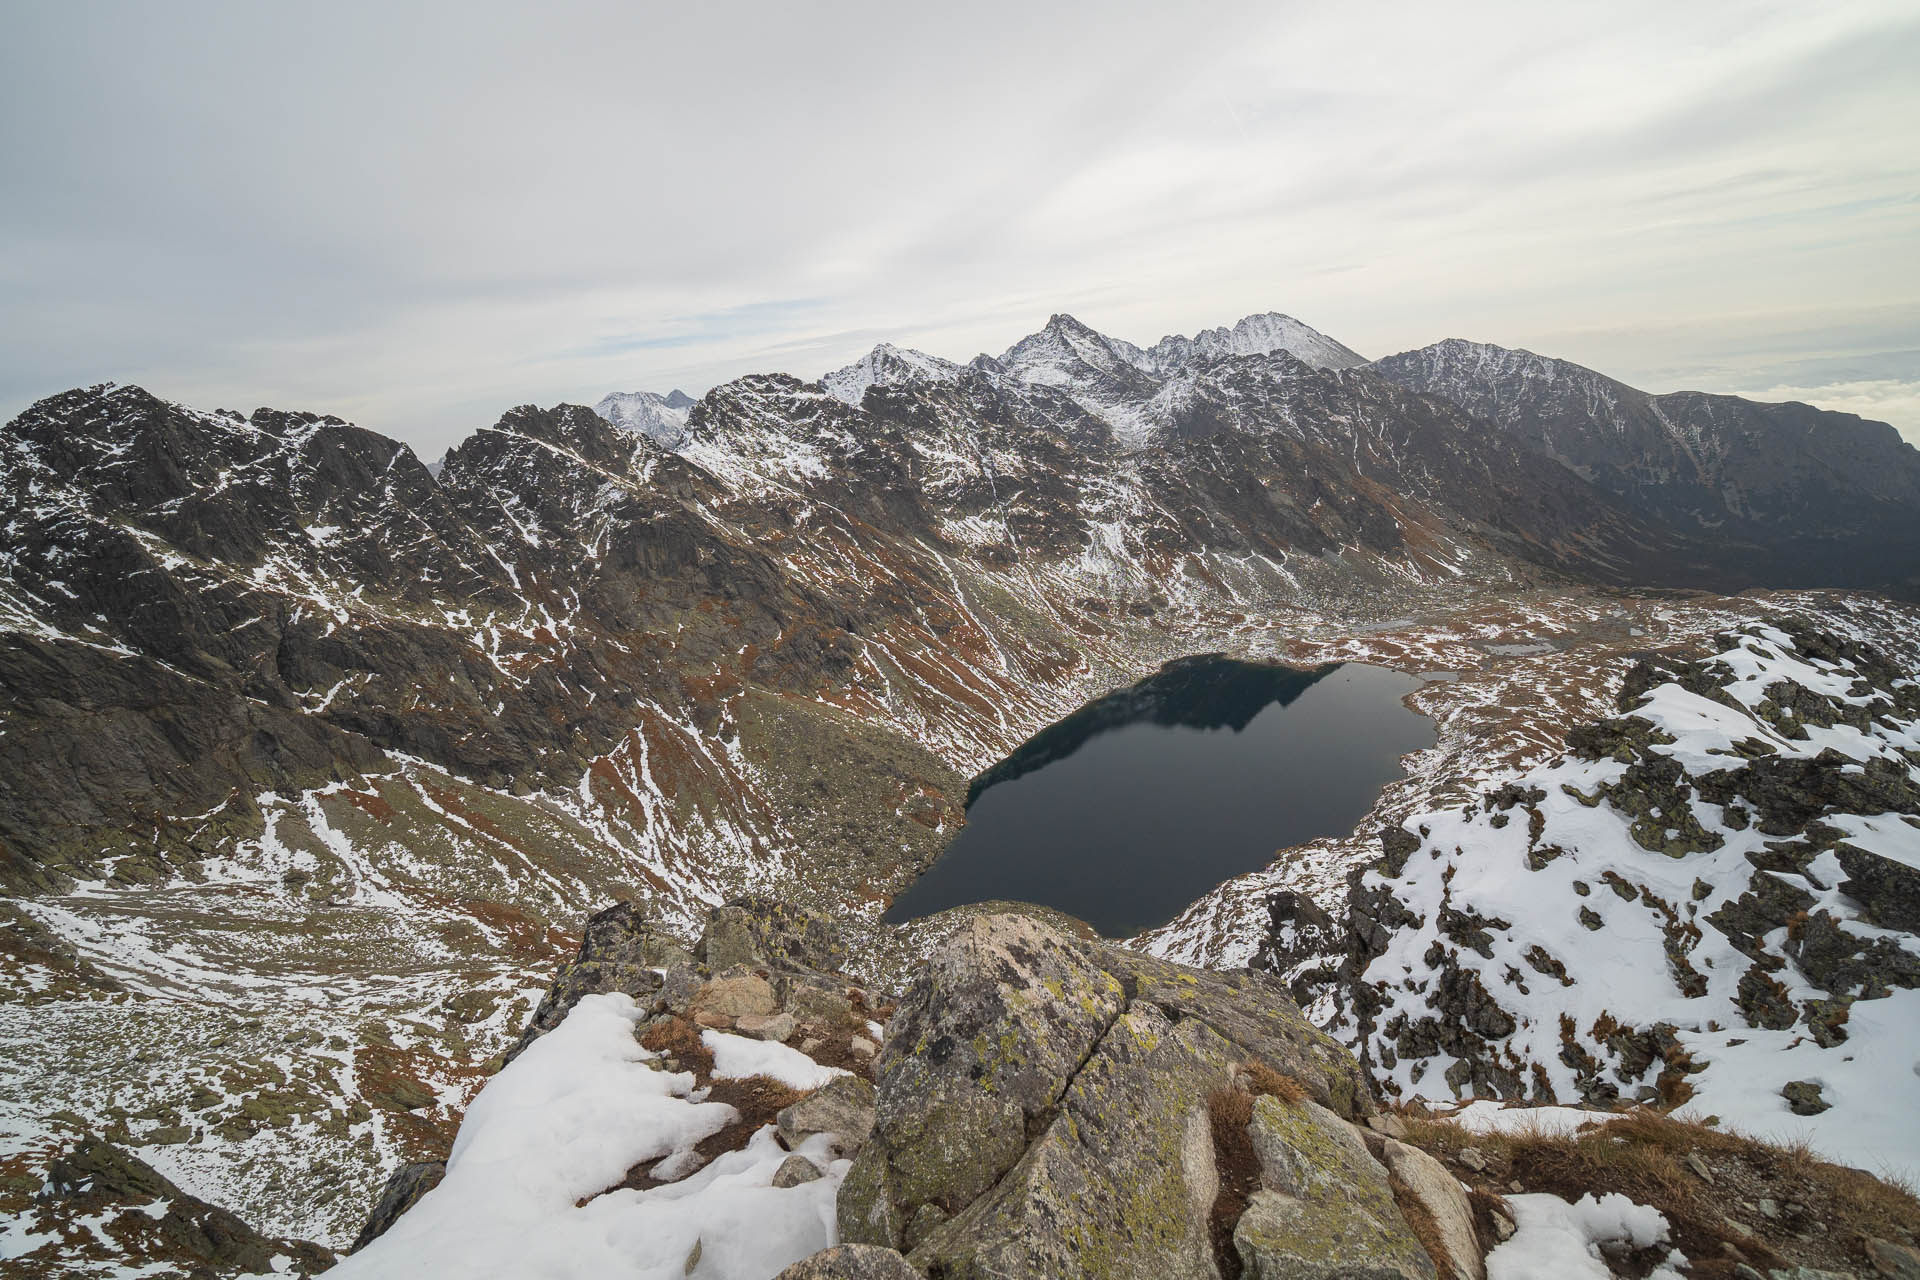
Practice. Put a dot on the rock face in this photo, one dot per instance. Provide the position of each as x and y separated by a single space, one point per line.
1826 498
1047 1107
408 1183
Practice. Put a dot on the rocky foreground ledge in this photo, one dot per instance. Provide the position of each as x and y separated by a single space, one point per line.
1042 1106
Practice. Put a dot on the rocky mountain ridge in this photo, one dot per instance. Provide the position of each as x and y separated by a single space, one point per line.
312 758
1832 498
1044 1106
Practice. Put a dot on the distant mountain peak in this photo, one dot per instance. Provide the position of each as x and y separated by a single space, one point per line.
887 365
662 419
1256 335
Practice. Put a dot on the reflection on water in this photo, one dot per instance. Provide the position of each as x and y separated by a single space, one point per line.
1132 807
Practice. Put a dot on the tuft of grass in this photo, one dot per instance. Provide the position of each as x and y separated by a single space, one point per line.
680 1040
1263 1079
1228 1112
1643 1155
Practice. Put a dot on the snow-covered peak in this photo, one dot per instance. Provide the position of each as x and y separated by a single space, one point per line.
661 418
1458 360
885 366
1067 352
1255 335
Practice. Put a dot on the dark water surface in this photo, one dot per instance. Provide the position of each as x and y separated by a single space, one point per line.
1132 807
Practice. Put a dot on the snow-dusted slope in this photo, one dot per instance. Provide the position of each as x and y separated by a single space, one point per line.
885 366
1255 335
1714 898
1105 376
664 418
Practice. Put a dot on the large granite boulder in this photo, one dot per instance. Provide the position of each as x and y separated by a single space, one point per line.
1325 1209
978 1053
1119 1183
759 931
851 1262
1048 1106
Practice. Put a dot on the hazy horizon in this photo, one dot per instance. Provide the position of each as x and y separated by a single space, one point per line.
416 218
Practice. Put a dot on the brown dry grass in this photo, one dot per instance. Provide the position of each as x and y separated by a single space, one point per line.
1263 1079
680 1040
1643 1155
758 1099
1228 1111
1424 1228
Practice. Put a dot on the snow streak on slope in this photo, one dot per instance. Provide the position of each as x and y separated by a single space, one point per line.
1714 897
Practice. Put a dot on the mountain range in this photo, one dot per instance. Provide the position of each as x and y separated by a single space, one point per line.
303 742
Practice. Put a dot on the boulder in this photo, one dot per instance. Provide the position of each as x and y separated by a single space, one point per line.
1804 1097
1896 1261
851 1262
1444 1200
766 1026
795 1170
734 996
844 1108
756 930
1122 1179
982 1046
1325 1208
620 951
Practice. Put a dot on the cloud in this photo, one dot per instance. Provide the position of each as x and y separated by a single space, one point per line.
1889 400
419 214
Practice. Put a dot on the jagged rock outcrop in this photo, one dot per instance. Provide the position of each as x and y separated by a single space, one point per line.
620 951
403 1190
1050 1106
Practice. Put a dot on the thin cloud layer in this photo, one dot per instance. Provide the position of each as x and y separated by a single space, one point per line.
417 215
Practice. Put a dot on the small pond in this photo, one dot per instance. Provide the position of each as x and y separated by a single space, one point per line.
1137 804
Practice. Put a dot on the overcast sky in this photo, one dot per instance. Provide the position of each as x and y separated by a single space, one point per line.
416 216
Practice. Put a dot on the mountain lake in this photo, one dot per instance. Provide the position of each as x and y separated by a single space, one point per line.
1137 804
